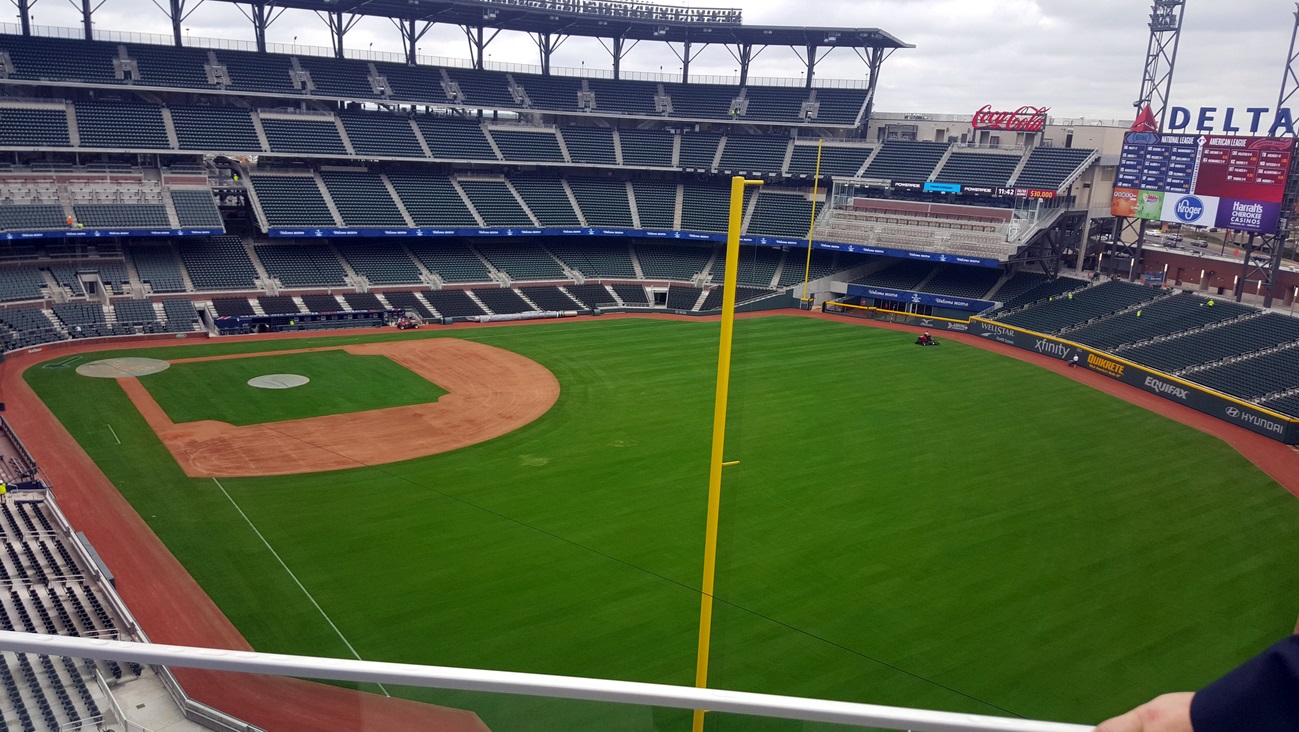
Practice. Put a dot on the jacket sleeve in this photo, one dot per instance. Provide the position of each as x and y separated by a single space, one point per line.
1262 695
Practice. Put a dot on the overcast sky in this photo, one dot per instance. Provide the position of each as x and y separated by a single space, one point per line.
1081 58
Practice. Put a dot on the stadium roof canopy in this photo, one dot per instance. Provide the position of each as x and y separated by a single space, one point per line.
551 21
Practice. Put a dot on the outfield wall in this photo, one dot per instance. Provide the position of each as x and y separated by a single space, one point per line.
1227 408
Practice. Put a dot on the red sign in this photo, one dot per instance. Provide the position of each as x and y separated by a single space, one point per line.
1024 119
1034 193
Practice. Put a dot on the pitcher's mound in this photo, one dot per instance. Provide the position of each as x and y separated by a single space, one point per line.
278 381
121 368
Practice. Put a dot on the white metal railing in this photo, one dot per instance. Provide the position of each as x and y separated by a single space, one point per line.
294 49
508 682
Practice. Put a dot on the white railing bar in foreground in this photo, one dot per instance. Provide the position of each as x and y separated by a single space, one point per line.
509 682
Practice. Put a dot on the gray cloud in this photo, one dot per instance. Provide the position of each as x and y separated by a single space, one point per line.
1082 59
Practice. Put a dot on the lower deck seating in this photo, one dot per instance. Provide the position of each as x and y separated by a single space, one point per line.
631 294
682 297
594 296
453 303
321 303
713 301
362 301
1054 316
181 315
232 306
278 305
409 302
503 301
550 299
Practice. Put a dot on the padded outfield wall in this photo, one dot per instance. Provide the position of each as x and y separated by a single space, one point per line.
1227 408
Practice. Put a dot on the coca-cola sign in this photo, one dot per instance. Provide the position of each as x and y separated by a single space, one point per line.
1024 119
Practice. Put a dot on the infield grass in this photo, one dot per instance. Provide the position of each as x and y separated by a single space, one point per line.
936 527
340 383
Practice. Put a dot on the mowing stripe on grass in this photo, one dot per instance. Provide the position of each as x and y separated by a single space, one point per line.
294 577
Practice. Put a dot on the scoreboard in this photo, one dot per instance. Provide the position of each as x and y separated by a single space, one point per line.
1203 180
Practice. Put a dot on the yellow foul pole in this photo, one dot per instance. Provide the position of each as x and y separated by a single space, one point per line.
719 436
811 226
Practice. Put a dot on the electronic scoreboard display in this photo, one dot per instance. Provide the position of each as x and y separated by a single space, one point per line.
1203 180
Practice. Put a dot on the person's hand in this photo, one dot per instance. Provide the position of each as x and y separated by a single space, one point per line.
1167 713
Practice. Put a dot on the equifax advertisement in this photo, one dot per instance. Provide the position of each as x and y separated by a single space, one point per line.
1208 181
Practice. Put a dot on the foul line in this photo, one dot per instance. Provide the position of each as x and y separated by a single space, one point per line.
110 429
294 577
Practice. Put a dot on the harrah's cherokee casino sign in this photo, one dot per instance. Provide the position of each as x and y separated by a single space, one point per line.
1024 119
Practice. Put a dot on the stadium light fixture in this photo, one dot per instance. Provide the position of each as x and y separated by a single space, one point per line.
489 15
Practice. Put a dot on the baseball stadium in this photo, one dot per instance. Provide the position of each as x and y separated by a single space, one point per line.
924 421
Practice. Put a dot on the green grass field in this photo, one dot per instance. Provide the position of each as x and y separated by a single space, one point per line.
340 383
941 527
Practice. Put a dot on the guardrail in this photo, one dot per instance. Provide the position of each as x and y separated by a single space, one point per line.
543 685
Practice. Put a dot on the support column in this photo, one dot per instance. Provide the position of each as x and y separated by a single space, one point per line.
87 13
410 36
25 15
617 57
177 16
261 19
685 62
811 65
547 44
744 57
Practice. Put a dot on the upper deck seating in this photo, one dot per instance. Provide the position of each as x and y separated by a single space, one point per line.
452 138
779 214
524 144
603 201
495 203
905 160
649 148
121 125
431 200
840 160
592 145
34 128
340 78
546 198
385 135
984 169
195 208
291 201
219 129
753 154
1049 167
362 199
23 282
698 150
656 202
308 134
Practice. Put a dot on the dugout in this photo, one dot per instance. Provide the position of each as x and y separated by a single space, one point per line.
244 324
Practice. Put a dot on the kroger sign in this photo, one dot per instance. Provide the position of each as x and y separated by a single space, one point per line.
1252 120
